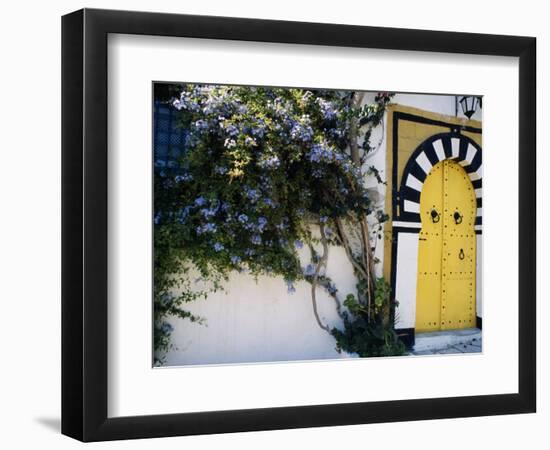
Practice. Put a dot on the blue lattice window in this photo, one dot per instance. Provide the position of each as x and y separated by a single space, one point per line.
168 138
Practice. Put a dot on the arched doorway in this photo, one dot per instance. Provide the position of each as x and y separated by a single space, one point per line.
446 275
416 142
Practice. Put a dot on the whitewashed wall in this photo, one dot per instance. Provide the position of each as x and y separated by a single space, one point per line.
405 285
258 321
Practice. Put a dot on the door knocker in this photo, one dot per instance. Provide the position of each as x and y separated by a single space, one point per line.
435 216
458 217
461 254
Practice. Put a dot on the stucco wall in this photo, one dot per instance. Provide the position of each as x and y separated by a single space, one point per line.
258 320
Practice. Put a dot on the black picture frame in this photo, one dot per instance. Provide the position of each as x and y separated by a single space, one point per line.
84 224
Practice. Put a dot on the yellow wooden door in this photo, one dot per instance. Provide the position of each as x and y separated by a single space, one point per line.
430 244
445 293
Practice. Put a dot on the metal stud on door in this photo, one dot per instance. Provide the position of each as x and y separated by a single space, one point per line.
458 265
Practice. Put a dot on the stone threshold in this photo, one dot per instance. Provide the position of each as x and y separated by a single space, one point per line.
439 341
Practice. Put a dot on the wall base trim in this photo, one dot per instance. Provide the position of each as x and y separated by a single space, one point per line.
406 335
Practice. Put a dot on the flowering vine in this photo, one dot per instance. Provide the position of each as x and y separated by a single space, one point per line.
264 172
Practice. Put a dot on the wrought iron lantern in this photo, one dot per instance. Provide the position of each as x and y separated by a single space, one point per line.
469 104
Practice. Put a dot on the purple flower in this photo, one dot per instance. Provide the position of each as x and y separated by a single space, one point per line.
157 218
301 132
262 221
232 130
218 247
252 194
321 152
315 153
272 162
290 286
185 102
178 104
183 214
235 259
208 213
256 239
309 270
201 125
210 228
183 178
298 244
207 228
243 218
258 132
200 201
327 110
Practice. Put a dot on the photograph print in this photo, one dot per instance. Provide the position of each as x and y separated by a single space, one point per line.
301 224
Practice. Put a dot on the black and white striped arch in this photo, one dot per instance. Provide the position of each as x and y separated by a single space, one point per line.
437 148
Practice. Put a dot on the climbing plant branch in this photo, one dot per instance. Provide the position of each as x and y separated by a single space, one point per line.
321 264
